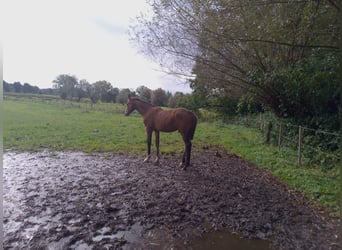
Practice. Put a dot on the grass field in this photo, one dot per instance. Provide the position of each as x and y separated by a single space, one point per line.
33 125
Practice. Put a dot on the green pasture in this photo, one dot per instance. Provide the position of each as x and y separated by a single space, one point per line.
34 125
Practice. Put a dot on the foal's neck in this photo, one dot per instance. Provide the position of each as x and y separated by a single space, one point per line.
143 107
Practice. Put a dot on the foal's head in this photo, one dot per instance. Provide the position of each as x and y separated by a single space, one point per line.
130 106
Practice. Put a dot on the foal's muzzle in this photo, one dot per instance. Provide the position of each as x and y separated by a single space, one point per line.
127 112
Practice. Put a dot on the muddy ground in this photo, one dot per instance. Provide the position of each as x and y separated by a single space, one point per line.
73 200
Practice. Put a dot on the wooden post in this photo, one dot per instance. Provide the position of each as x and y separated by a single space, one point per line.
262 122
269 130
279 135
300 131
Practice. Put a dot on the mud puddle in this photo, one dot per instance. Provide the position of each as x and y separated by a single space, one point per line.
73 200
224 240
138 238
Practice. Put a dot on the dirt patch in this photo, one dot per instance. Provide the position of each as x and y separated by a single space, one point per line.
73 200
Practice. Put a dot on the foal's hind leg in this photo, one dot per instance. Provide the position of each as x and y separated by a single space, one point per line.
186 155
149 138
183 159
156 133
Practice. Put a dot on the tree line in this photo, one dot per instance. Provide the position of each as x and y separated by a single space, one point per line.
17 87
281 56
68 87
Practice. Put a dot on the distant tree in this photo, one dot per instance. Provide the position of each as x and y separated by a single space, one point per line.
17 87
66 85
144 93
79 91
6 86
103 88
187 101
35 89
83 84
159 97
113 94
27 88
89 89
123 95
223 100
174 99
168 96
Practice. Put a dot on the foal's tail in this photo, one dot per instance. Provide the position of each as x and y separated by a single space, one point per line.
193 128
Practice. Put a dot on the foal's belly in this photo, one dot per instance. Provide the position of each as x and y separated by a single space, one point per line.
168 130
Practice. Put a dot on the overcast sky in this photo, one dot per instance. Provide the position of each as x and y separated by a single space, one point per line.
86 38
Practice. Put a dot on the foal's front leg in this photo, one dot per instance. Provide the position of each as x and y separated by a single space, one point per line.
149 137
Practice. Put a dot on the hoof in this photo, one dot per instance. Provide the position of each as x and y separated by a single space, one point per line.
156 161
183 166
147 159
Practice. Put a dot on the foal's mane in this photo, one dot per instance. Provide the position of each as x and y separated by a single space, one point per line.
139 100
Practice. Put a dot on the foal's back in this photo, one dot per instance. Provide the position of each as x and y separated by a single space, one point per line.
174 119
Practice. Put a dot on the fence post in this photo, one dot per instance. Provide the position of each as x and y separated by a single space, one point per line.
279 135
269 130
300 132
261 119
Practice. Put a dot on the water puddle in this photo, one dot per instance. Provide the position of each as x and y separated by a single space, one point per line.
225 240
131 236
138 238
59 245
81 245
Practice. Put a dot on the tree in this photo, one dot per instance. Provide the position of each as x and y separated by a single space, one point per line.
241 47
159 97
66 85
81 89
89 89
103 89
27 88
6 86
123 95
113 94
17 87
175 99
144 93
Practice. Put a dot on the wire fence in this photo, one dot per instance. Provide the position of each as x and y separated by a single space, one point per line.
308 146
